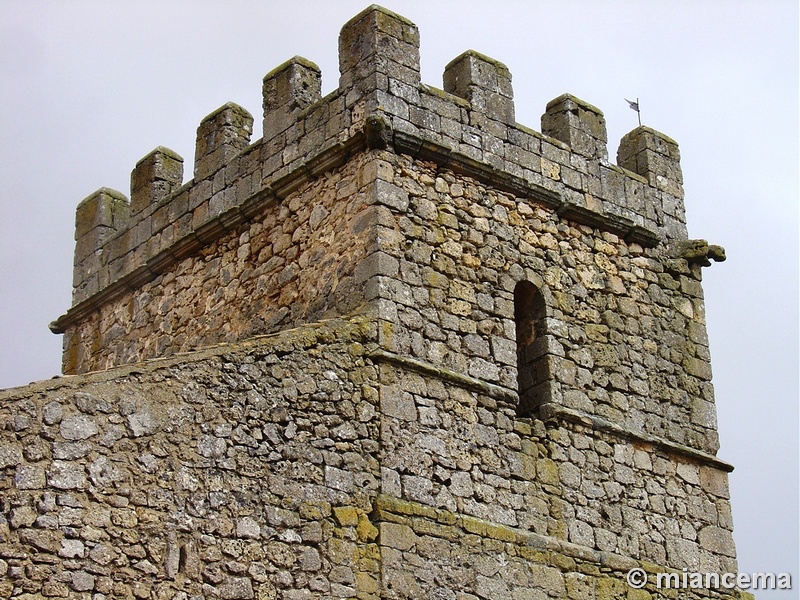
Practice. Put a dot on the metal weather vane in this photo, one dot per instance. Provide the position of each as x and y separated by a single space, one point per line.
635 106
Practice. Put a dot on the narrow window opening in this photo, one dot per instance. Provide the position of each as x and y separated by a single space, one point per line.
533 377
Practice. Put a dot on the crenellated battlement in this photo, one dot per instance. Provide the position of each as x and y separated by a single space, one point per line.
469 126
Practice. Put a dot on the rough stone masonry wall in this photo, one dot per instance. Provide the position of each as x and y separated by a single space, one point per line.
625 325
309 465
614 465
295 263
246 472
313 464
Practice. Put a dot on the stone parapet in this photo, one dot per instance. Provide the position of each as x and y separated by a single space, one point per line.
484 83
98 218
378 57
647 152
578 124
472 118
221 136
287 90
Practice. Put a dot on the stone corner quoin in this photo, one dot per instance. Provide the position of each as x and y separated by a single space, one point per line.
400 347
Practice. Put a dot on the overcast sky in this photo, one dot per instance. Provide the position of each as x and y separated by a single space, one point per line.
88 88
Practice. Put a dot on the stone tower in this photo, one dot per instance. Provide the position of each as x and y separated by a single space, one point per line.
401 347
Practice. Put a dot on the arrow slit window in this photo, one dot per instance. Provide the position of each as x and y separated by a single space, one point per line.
533 372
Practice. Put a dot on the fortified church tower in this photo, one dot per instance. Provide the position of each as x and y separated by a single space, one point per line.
401 347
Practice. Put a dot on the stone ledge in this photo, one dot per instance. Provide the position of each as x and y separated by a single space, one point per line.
442 523
554 412
354 328
426 368
549 411
397 510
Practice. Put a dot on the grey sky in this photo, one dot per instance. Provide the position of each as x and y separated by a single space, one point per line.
88 88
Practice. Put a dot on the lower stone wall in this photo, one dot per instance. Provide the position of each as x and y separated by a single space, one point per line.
235 473
312 464
454 445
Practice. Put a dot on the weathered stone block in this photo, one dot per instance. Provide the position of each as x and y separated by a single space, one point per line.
78 427
10 455
717 540
155 176
484 82
236 588
29 477
288 89
66 476
22 516
398 403
220 137
400 537
714 481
